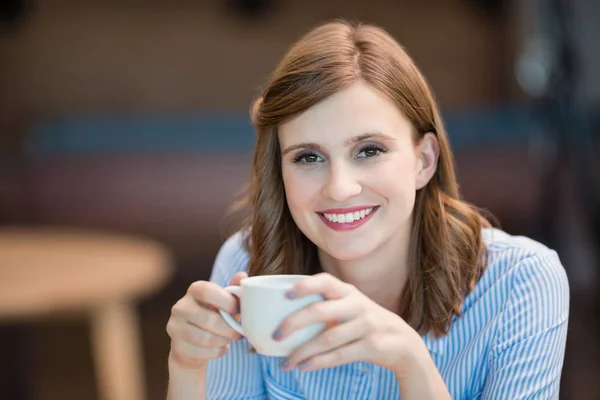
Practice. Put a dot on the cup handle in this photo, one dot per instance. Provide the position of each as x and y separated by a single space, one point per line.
234 290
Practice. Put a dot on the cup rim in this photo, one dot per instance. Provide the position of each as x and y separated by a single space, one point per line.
268 281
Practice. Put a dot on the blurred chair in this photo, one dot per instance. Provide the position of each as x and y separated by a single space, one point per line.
101 276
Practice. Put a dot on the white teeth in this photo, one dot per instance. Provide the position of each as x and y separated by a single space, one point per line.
349 217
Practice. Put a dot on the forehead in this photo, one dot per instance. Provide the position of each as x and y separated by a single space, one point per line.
350 112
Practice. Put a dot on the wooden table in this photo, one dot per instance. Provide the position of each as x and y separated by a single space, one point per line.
100 276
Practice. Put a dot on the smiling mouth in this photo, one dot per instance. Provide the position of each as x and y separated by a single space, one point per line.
346 218
347 221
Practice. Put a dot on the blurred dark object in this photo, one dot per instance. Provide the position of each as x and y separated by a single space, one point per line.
556 70
494 9
549 72
16 365
12 12
251 9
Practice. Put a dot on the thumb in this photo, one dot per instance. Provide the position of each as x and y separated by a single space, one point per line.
235 281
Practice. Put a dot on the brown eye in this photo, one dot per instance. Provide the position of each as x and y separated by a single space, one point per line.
308 158
370 151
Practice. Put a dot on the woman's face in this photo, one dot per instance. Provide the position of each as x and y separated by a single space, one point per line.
351 170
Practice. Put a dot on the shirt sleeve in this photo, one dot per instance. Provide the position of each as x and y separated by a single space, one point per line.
238 374
527 357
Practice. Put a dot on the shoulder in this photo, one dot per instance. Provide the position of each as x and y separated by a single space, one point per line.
529 290
514 256
231 259
523 291
520 272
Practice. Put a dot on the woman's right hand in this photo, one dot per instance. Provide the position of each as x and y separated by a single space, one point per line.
197 330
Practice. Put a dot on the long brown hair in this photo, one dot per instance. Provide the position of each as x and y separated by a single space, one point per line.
447 253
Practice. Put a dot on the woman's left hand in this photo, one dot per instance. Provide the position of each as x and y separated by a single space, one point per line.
358 329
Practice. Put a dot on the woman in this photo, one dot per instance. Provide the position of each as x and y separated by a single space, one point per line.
353 183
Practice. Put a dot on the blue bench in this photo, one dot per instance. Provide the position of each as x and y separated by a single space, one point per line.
234 132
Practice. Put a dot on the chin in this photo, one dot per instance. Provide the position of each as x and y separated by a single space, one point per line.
343 253
345 257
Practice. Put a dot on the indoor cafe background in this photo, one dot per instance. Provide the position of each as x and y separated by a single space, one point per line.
124 136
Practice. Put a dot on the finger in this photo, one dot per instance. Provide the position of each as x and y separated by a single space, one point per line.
327 341
213 295
203 318
324 284
352 352
235 281
322 311
214 323
195 336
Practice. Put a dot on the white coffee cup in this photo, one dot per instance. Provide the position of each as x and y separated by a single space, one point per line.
264 306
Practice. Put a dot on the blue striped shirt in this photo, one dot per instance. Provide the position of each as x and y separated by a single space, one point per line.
508 344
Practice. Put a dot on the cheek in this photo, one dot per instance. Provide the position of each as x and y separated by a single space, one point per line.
396 182
300 189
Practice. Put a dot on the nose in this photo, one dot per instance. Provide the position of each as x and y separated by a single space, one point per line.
342 183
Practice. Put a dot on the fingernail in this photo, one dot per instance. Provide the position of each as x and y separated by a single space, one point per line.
291 294
285 363
277 334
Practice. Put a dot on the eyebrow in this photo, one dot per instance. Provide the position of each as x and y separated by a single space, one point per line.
349 142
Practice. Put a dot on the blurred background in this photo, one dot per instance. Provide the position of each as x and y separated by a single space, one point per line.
124 137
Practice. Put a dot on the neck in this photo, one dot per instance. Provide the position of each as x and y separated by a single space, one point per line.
380 275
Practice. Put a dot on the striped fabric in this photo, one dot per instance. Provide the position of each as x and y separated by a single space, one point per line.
509 343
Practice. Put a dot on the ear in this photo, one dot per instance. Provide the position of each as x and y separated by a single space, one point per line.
428 153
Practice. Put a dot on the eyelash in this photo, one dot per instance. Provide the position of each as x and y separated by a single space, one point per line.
301 158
